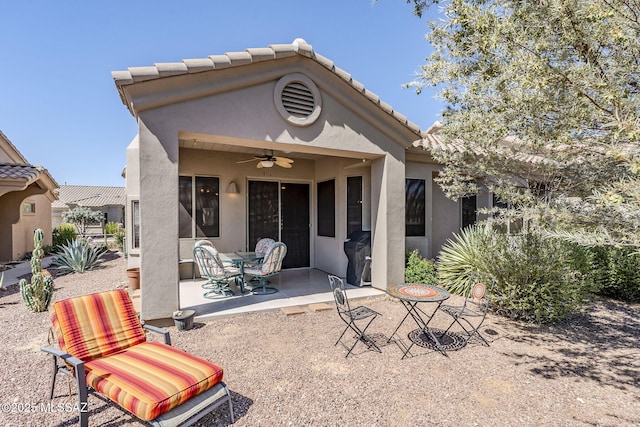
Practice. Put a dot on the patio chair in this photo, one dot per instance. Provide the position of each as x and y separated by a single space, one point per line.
215 271
262 246
103 345
352 316
472 313
270 266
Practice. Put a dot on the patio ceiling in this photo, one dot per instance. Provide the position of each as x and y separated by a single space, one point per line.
256 148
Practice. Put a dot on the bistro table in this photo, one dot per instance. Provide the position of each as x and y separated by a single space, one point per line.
239 259
412 294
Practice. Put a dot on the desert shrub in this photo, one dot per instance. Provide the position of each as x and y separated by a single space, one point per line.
111 227
119 238
464 256
63 234
419 270
82 218
78 256
539 280
616 272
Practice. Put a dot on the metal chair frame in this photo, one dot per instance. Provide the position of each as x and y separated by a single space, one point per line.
471 315
351 316
213 269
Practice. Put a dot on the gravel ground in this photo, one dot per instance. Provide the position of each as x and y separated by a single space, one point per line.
285 370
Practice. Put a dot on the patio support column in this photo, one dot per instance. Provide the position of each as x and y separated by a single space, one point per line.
388 218
159 275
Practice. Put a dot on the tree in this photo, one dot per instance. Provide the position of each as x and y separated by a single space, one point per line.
82 218
543 96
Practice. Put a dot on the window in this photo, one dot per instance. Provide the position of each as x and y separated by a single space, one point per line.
354 204
135 220
327 208
415 207
29 207
199 214
469 211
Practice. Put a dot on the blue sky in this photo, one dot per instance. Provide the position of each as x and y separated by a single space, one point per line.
60 107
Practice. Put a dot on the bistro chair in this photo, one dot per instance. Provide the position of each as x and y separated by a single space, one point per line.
352 316
270 266
215 271
471 314
103 345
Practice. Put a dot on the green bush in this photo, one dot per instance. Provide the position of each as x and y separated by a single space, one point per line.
539 280
78 256
419 270
616 272
111 227
63 234
119 237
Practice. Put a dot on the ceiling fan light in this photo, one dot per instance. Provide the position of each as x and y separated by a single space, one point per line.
266 163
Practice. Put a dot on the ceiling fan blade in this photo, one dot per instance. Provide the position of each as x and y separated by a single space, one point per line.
259 165
248 160
282 164
284 159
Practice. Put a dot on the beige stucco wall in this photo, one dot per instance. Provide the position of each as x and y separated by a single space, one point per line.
16 227
28 223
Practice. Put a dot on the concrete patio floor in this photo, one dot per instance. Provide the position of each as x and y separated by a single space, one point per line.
296 288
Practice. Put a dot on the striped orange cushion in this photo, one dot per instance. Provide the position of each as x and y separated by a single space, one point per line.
151 378
93 326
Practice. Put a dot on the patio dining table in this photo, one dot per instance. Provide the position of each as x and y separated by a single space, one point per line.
412 294
239 259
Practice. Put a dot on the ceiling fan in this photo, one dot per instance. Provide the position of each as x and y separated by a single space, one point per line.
268 160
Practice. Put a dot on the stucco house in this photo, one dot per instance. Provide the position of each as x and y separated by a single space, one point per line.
26 193
107 199
210 160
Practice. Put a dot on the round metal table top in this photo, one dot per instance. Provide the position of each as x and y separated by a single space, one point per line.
418 292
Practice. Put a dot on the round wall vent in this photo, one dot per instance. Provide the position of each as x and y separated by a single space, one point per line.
297 99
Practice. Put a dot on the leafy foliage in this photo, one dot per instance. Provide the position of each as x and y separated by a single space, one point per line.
79 256
419 270
119 237
615 272
63 234
37 294
82 218
537 279
543 101
111 227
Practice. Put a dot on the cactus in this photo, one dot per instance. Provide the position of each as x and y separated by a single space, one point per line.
37 294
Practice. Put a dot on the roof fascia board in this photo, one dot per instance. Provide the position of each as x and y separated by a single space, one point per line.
158 93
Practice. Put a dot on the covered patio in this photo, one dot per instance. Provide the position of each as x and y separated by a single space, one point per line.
297 288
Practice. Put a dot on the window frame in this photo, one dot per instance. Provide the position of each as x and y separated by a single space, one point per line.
418 228
195 209
326 212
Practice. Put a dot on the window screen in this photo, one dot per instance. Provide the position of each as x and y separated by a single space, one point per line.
415 207
327 208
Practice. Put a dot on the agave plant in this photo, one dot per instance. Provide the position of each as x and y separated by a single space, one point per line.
465 256
78 256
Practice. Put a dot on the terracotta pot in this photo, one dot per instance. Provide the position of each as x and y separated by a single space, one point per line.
133 274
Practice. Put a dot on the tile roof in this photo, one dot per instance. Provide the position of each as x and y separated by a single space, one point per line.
20 172
252 55
89 196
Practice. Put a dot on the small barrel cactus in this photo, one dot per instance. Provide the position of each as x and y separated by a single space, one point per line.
37 294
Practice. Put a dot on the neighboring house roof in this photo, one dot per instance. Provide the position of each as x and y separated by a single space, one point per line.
249 56
16 174
89 196
432 140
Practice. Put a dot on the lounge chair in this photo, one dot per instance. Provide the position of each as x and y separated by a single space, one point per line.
103 345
